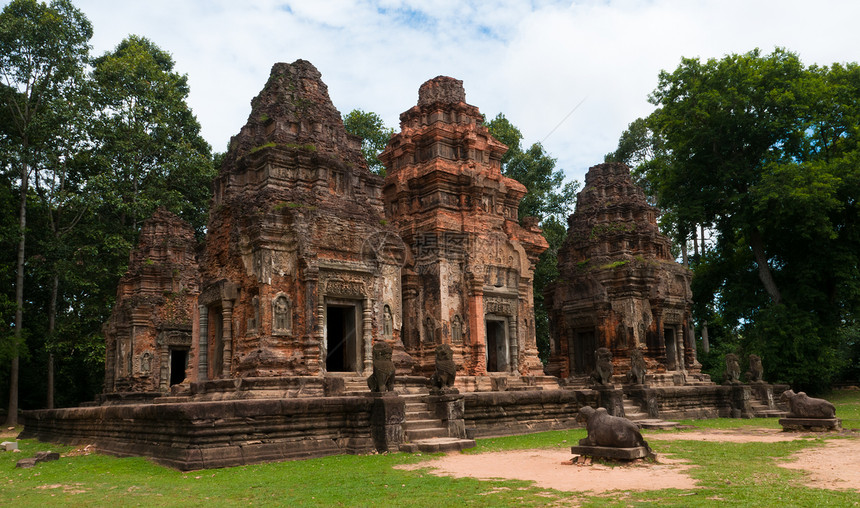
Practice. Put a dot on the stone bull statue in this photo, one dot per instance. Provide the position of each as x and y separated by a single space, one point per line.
612 431
802 406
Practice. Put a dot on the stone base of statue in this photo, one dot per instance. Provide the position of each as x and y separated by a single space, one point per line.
386 421
810 424
609 452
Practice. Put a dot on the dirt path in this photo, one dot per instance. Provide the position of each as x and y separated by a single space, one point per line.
546 469
835 466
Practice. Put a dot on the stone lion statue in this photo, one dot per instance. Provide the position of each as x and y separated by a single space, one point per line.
733 370
801 405
382 379
754 375
638 369
607 430
602 374
446 370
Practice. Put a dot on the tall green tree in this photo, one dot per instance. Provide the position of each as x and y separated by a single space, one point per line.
373 133
43 48
149 146
765 150
549 198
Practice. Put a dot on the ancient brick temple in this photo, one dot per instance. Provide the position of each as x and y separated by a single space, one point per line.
619 286
149 333
468 282
300 274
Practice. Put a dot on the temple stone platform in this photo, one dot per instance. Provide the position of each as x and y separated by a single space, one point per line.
221 423
607 452
810 424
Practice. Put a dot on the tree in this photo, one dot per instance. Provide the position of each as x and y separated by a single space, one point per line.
764 150
149 147
42 49
373 133
549 198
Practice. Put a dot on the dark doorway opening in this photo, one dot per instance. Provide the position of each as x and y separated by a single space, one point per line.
340 339
582 352
672 349
178 364
497 347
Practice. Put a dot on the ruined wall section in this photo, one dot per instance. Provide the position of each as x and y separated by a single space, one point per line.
619 286
296 220
153 316
470 258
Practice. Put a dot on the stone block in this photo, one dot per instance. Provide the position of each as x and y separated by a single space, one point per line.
26 463
8 446
606 452
47 456
810 424
386 421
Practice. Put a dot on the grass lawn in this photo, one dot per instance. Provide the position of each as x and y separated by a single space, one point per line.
728 474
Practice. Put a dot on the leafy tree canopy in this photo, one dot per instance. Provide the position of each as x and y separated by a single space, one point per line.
764 151
373 133
549 198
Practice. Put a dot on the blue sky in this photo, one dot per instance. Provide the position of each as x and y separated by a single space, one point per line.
534 61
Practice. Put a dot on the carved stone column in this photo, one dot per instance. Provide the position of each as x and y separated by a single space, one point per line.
203 344
227 334
477 328
514 345
367 337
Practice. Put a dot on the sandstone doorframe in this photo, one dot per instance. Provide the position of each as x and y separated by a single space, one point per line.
499 336
343 334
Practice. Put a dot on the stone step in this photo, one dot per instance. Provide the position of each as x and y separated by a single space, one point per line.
769 413
413 435
656 424
635 417
422 424
419 415
438 444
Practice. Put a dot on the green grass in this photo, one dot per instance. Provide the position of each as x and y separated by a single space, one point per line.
728 474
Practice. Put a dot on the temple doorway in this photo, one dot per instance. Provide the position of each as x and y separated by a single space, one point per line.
342 338
582 352
497 346
674 349
178 365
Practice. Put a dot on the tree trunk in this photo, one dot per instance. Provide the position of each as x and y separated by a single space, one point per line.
12 415
52 317
764 272
702 238
695 243
706 345
684 260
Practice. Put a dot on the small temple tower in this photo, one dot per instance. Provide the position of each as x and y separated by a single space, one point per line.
468 281
300 272
149 334
619 286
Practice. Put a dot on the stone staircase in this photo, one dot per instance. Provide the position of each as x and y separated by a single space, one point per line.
760 409
355 385
423 432
634 413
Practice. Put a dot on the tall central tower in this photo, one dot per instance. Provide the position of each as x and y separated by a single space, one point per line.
468 282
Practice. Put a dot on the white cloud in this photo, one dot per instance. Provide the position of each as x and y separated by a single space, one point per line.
533 61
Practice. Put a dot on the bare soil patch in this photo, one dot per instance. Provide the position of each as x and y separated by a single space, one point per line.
740 435
550 468
834 466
